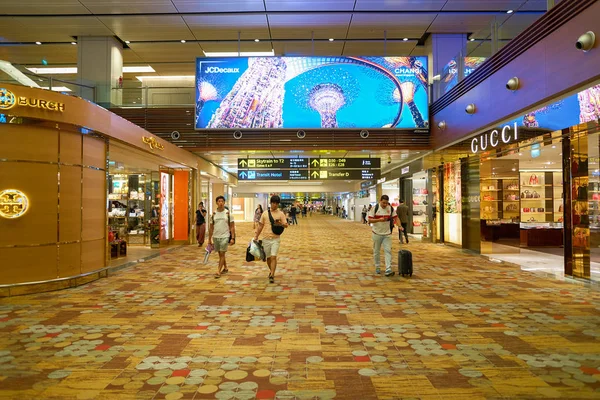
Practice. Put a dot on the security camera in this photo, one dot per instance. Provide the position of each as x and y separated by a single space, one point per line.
389 159
471 109
364 134
513 83
237 135
301 134
175 135
586 41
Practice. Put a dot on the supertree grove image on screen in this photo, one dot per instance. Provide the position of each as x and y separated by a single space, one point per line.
327 99
311 92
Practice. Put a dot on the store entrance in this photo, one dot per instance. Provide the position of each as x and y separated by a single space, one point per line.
522 207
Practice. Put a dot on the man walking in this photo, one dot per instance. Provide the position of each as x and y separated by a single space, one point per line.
294 214
222 230
383 218
402 211
275 218
200 224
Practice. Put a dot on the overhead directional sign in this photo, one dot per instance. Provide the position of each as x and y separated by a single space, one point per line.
323 163
275 175
272 163
350 174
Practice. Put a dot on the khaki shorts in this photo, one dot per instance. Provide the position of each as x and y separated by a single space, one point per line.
271 247
221 244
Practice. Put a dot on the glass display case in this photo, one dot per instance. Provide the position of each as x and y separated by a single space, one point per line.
130 207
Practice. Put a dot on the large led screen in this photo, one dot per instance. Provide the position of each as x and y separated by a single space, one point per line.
311 92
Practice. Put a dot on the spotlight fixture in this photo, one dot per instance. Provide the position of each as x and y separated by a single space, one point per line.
182 41
513 84
471 109
586 41
257 40
175 135
74 43
331 39
405 39
127 42
472 39
364 134
237 135
301 134
442 125
38 43
510 11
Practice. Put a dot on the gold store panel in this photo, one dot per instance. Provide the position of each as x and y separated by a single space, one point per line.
70 147
70 204
28 264
39 183
27 142
94 204
94 152
69 260
92 255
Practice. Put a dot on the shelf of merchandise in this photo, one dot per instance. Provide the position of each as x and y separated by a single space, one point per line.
128 223
419 185
550 191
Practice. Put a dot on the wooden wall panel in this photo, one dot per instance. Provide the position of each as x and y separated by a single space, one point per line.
39 182
28 264
70 147
70 204
94 204
94 152
69 260
92 255
26 142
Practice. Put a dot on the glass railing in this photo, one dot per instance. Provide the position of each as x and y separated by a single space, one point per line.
17 75
155 97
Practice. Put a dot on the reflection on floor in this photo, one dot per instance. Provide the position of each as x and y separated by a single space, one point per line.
547 261
138 254
461 328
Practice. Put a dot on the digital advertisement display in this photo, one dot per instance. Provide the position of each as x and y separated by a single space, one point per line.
449 76
573 110
312 92
164 206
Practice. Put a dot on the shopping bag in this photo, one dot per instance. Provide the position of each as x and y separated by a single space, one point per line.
209 249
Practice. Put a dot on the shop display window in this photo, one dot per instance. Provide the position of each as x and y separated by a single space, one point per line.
129 209
541 196
420 195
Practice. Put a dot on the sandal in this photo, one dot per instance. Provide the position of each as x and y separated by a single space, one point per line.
217 276
225 271
271 279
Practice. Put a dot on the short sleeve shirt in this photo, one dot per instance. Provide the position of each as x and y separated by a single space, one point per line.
221 224
382 228
266 222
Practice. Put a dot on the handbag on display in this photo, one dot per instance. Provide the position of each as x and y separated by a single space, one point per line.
582 192
417 212
535 195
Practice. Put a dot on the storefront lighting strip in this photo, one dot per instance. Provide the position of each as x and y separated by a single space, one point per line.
541 170
58 89
239 54
157 78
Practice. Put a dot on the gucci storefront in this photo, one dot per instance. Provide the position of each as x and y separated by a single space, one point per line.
530 189
62 162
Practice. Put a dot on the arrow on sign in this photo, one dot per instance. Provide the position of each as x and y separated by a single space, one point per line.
243 163
243 175
315 174
315 162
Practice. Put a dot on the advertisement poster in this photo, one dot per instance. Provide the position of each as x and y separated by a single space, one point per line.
452 188
573 110
449 77
164 206
311 92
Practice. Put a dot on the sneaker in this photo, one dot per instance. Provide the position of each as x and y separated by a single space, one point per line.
225 271
271 279
390 273
378 271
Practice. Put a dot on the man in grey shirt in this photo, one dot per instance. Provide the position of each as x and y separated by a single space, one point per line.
402 211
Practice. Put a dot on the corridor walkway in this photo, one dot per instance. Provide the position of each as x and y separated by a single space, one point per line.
461 328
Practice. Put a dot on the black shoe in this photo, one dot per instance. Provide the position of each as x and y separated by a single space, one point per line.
271 279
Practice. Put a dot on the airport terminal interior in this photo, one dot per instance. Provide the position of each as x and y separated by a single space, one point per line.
316 199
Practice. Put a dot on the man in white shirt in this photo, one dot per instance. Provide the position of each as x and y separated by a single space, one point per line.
222 230
382 218
276 222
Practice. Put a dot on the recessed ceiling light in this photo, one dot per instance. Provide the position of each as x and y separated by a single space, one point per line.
74 43
405 39
257 40
472 39
331 39
182 41
38 43
509 11
127 42
553 146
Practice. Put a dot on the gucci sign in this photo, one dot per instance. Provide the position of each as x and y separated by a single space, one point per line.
13 203
492 139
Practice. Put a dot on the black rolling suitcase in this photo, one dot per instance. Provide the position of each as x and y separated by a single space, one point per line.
405 266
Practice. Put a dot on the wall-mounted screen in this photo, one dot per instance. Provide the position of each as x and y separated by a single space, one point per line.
165 216
449 76
312 92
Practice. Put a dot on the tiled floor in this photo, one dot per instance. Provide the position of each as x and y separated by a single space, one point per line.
461 328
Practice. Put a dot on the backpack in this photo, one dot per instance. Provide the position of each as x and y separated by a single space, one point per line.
391 219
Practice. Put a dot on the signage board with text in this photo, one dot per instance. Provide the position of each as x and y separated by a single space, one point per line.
272 163
324 163
273 175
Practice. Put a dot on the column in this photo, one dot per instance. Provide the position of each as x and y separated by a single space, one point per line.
100 64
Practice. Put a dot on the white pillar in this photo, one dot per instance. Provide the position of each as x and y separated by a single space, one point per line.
100 64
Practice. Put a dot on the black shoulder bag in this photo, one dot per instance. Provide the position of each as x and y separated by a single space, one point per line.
277 229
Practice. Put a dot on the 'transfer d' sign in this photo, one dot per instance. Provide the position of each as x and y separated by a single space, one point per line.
494 138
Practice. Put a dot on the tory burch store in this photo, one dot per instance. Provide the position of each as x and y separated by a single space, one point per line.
80 187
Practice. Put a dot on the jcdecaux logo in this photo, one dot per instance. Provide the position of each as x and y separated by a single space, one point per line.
218 70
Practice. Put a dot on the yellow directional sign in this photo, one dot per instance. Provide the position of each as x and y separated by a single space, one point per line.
252 163
323 175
